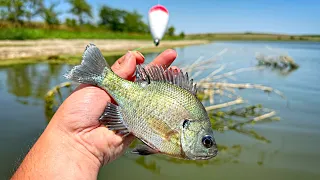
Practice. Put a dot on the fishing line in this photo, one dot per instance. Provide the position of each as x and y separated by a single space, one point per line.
143 47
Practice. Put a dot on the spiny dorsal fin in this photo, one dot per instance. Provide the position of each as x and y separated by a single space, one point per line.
158 73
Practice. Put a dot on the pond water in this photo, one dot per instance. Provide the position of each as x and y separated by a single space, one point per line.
293 151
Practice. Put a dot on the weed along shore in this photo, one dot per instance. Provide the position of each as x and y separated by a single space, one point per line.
58 49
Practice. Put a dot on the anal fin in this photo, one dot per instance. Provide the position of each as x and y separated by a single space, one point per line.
112 118
144 150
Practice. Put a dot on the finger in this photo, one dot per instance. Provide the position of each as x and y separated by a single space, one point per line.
126 65
165 58
175 68
139 58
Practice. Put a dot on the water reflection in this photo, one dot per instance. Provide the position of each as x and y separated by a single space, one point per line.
279 71
149 165
227 154
29 83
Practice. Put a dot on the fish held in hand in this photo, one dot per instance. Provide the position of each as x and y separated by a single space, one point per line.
160 108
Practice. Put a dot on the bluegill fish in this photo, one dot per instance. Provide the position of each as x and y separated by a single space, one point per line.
160 108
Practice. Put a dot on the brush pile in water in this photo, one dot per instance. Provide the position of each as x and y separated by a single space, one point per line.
281 62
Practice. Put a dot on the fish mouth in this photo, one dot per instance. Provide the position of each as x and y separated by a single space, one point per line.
214 153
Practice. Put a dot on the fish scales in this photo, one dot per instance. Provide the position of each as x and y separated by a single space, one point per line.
151 105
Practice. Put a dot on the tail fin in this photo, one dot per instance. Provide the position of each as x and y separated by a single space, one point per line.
92 68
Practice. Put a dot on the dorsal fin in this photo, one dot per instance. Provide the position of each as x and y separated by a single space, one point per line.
158 73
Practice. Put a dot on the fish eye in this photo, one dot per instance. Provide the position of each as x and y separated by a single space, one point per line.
207 141
185 123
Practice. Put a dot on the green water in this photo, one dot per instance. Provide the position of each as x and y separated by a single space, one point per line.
293 151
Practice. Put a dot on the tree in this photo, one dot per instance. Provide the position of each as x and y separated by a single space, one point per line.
81 9
133 22
71 22
50 16
3 10
182 35
171 31
15 10
3 14
33 8
112 18
121 20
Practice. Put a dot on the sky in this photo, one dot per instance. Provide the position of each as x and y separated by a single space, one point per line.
214 16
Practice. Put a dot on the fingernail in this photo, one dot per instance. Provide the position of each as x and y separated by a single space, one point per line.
140 54
126 57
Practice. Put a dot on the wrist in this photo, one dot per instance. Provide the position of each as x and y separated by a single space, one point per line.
74 150
57 155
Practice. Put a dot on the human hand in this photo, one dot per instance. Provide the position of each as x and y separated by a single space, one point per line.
74 132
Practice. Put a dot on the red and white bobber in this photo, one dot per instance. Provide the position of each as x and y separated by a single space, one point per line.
158 21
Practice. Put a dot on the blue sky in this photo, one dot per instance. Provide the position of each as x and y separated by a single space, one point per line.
202 16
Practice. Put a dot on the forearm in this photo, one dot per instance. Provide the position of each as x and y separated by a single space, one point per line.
54 157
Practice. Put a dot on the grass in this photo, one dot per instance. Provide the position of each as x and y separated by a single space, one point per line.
254 37
22 33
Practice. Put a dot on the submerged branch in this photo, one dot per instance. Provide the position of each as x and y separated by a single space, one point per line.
223 105
256 119
220 85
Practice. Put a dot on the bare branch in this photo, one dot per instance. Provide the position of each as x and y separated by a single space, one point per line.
230 103
231 73
256 119
213 73
259 118
240 86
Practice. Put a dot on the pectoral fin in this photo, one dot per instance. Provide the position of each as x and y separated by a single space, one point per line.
112 118
144 150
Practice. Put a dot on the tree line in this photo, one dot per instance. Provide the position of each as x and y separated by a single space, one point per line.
114 19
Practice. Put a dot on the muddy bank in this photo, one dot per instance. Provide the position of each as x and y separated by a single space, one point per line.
44 48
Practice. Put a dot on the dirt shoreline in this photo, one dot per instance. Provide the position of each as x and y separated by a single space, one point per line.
25 49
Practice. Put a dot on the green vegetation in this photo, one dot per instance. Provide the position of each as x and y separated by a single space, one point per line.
253 37
122 21
62 32
182 35
171 31
45 33
50 16
16 22
81 9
